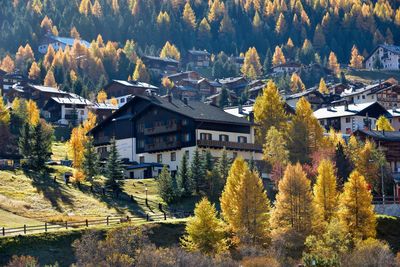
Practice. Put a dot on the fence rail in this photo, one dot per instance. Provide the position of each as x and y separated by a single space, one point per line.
46 227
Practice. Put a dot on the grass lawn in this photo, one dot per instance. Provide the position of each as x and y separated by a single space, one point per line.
56 247
59 150
367 76
10 220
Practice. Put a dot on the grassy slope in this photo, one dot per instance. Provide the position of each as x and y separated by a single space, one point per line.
367 76
8 219
53 247
59 150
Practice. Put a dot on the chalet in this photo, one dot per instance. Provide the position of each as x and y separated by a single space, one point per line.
198 58
385 57
349 118
58 43
185 91
286 68
176 78
72 109
102 110
395 120
152 131
312 95
120 88
215 99
160 65
245 111
236 84
386 93
40 94
8 80
202 87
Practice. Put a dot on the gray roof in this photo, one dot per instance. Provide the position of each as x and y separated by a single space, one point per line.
230 80
246 110
135 84
104 106
393 136
48 89
68 41
340 111
303 93
72 100
394 112
166 59
199 52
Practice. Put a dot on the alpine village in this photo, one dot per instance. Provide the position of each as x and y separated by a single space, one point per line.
196 133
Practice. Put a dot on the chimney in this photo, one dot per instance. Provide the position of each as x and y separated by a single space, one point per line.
346 105
185 101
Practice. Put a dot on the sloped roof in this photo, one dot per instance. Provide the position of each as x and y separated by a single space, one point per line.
69 41
246 110
47 89
199 52
166 59
392 48
135 84
341 111
72 100
394 112
393 136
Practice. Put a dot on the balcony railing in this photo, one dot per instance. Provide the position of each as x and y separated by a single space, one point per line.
101 140
229 145
161 129
162 146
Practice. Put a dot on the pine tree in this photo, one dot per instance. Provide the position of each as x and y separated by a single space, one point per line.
184 179
165 186
244 203
325 193
356 212
223 166
224 97
322 88
204 231
269 111
41 147
141 73
90 162
207 163
356 60
197 171
251 67
383 124
333 63
114 169
188 16
293 206
278 57
25 142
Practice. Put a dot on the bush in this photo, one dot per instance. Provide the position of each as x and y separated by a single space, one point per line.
23 261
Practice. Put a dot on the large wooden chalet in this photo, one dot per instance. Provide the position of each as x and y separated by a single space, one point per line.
119 88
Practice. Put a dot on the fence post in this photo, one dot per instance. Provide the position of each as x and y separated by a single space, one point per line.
147 217
24 228
66 224
87 223
45 226
108 220
165 216
4 231
127 218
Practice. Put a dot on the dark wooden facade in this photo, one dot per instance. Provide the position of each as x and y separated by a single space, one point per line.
122 88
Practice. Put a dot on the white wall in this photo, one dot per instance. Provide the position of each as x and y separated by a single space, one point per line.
233 137
390 63
395 122
127 148
356 122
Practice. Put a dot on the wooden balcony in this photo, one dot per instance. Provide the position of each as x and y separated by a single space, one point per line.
161 129
101 140
162 146
229 145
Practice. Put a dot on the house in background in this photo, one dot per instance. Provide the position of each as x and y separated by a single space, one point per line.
8 80
152 131
395 120
235 84
198 58
176 78
386 57
161 66
349 118
58 43
120 88
286 68
312 95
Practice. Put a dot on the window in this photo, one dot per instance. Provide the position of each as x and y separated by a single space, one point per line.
122 100
141 159
363 96
205 136
358 97
348 120
173 156
186 137
141 143
184 122
187 154
223 138
242 139
159 158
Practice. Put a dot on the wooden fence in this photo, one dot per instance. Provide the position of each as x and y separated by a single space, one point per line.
46 227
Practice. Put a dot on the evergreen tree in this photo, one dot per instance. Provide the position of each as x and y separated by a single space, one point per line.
223 165
251 67
204 231
41 147
25 142
342 163
224 97
197 171
90 162
356 211
184 179
114 169
166 187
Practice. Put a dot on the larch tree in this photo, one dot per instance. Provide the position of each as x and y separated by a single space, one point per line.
189 17
7 64
356 211
204 29
217 9
397 17
278 57
97 10
296 84
275 153
245 205
74 33
251 67
76 145
269 111
85 7
49 80
293 207
356 60
101 96
322 88
204 231
325 192
383 124
141 73
333 63
34 71
49 57
280 27
33 113
170 51
369 159
4 113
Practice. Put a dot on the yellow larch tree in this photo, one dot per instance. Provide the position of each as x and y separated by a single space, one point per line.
167 83
76 147
356 212
356 60
296 84
367 163
322 88
4 113
85 7
280 27
34 71
49 80
189 17
204 231
249 219
333 63
7 64
97 10
49 57
269 111
251 67
325 192
397 17
141 73
74 33
101 96
170 51
217 10
293 207
33 113
383 124
278 57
